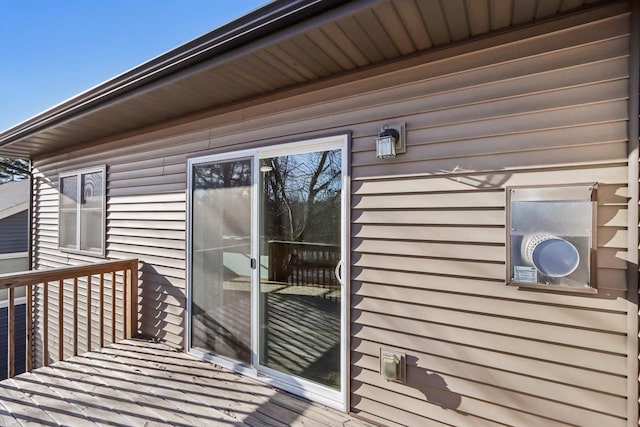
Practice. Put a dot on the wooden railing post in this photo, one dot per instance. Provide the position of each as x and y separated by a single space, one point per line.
45 324
89 313
101 310
113 306
29 331
61 319
132 299
75 316
125 309
11 356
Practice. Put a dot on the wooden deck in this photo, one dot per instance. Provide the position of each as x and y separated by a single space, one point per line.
139 383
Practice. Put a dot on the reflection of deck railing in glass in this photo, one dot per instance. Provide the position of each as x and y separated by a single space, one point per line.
304 264
62 287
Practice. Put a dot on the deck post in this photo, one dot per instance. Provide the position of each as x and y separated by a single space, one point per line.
11 348
61 320
113 306
89 326
75 316
132 301
45 324
101 310
29 329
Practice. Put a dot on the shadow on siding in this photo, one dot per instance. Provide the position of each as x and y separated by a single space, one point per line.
433 386
157 295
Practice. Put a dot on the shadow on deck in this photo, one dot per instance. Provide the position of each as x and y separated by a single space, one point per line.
140 383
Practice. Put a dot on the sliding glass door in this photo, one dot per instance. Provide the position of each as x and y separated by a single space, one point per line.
267 238
221 258
300 237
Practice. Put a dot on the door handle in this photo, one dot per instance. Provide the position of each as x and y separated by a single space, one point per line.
338 272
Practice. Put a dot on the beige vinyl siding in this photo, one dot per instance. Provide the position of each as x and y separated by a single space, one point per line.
428 234
147 225
428 243
47 255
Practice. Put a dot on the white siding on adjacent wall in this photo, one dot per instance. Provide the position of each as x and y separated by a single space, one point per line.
428 236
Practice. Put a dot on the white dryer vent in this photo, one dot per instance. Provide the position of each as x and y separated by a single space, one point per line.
553 256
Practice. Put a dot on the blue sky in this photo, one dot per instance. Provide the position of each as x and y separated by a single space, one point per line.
52 50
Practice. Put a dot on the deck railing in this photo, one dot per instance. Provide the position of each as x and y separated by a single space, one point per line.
304 263
41 281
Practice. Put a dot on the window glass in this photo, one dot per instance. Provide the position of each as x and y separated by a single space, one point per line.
81 211
68 211
91 213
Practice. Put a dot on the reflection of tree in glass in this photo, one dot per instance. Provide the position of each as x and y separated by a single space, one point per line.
13 169
302 195
223 175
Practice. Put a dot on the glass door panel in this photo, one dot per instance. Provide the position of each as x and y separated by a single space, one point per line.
300 249
221 259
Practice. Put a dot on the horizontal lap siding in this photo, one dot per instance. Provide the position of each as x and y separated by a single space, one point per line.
158 238
149 227
15 233
428 241
427 228
120 230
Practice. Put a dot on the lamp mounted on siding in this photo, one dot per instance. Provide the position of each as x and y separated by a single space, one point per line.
391 141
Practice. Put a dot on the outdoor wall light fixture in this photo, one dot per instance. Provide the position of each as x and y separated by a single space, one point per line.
390 141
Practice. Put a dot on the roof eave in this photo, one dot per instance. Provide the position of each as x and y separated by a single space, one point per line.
262 22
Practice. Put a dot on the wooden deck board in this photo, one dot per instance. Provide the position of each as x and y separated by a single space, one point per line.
276 406
91 406
192 398
122 404
150 392
235 384
56 406
7 420
140 383
24 410
130 402
228 396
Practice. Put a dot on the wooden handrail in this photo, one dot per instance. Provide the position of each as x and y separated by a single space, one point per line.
79 276
24 278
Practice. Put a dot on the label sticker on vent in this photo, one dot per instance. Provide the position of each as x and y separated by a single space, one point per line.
525 274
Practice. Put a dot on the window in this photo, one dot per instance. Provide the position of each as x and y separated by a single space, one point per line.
82 207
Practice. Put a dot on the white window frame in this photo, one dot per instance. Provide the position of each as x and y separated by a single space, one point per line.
78 173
